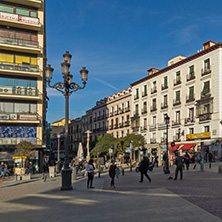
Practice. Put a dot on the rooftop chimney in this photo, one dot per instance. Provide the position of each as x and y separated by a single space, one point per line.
208 44
175 60
152 71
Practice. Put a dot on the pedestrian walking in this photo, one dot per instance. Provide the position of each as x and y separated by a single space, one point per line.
187 160
143 168
197 159
156 162
6 172
90 171
164 161
2 166
112 173
179 164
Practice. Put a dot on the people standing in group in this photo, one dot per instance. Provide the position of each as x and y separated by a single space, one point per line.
112 173
187 160
90 171
179 166
143 168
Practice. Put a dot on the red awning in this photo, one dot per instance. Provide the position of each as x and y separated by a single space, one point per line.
174 148
187 146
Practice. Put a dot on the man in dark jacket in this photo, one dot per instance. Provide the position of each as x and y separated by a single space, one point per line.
179 163
144 168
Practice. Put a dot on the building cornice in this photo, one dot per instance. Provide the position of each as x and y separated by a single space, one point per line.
188 59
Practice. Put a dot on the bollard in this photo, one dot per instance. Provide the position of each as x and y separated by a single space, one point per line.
20 177
209 165
99 174
45 177
123 172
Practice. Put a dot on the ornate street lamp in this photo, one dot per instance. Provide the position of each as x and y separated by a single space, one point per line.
87 145
167 121
67 87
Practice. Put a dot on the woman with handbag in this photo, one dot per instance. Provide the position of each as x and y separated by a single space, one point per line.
112 173
90 169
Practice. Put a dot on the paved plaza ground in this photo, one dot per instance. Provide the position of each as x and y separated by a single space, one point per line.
195 198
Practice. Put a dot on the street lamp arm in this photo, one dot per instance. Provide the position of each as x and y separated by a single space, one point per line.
74 87
58 86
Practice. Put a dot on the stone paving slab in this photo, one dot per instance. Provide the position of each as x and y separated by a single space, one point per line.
159 200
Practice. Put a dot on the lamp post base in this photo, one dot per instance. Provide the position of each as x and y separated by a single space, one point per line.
167 171
66 179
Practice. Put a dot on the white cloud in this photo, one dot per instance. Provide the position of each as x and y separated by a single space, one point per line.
53 92
106 83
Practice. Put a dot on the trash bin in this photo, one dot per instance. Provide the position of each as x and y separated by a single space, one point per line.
52 171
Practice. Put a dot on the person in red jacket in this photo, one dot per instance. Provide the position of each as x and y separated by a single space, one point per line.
112 173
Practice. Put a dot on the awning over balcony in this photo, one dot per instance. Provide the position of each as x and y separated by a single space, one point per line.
188 146
174 148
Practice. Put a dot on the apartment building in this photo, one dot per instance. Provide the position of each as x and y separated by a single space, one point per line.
99 118
118 114
22 86
189 90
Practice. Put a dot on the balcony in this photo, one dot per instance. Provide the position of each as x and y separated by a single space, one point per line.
144 94
177 82
143 128
164 105
19 69
176 122
161 125
135 129
176 139
163 139
205 95
164 87
127 109
206 70
176 102
153 109
19 117
33 3
116 126
190 99
127 123
111 127
20 92
152 140
121 125
152 127
17 140
136 97
144 111
191 76
189 120
9 19
19 45
204 117
116 112
153 90
121 110
136 113
111 114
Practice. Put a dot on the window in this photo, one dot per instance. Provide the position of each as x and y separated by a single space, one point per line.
122 133
178 76
154 103
191 130
207 64
145 90
191 92
154 120
206 88
165 84
206 129
144 123
191 114
127 132
191 69
20 11
178 96
137 109
117 134
4 8
165 100
144 107
206 108
177 116
137 93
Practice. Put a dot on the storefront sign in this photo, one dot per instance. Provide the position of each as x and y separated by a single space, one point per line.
4 116
198 136
8 16
13 116
29 20
28 117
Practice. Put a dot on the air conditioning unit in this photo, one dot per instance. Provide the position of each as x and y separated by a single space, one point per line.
20 90
31 91
5 90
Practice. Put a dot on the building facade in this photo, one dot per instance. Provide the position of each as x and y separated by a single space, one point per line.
118 113
189 90
22 86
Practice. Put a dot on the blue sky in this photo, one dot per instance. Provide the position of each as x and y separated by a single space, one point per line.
118 40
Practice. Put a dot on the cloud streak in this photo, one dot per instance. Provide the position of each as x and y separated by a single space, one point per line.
106 83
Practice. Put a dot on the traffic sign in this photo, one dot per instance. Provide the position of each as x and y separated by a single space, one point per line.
113 146
110 151
172 144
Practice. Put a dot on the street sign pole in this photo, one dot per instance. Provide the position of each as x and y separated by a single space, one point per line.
202 157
